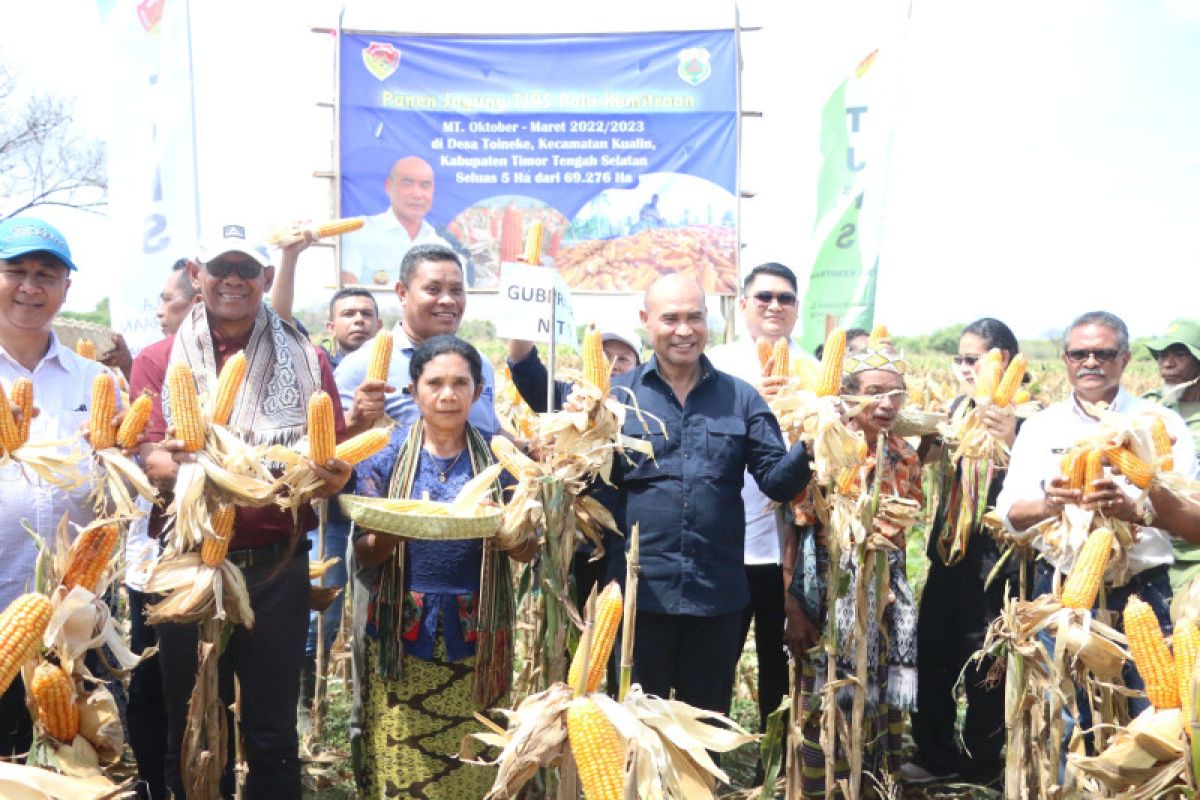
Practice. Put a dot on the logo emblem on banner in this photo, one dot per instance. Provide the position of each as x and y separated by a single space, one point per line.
695 66
381 59
150 13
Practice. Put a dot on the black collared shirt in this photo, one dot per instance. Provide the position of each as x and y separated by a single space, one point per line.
688 499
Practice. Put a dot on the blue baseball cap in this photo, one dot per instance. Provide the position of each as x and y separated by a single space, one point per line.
22 235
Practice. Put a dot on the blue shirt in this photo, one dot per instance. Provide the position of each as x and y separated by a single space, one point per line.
688 498
399 405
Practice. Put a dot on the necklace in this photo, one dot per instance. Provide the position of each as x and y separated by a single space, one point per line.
442 472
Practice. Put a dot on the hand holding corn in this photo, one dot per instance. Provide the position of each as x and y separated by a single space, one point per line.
1107 497
308 233
1001 422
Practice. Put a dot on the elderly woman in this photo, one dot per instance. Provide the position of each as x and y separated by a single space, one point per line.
874 383
433 643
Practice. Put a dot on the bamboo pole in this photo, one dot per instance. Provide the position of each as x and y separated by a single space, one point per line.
829 704
319 684
628 622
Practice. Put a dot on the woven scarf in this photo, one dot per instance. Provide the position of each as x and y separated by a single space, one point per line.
493 648
282 372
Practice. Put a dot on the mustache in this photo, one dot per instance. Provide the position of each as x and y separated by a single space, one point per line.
1085 371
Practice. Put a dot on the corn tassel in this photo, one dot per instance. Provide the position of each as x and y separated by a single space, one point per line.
1126 462
1163 452
321 436
90 556
533 242
599 754
135 421
763 348
1007 388
1083 584
381 357
878 334
22 397
833 359
339 226
53 694
101 430
233 374
22 625
609 611
781 353
987 375
363 446
185 407
1150 654
509 457
86 348
1186 644
10 432
596 369
213 550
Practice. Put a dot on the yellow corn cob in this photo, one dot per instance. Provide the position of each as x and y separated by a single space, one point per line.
10 432
609 611
408 505
233 374
381 357
763 347
833 359
321 437
53 694
185 407
90 556
21 627
1083 584
135 421
1158 433
599 754
1074 468
1150 654
1186 644
1093 469
512 459
596 369
987 375
1126 462
22 397
101 431
809 373
878 334
363 446
86 348
1011 381
339 226
782 356
1022 396
213 550
533 242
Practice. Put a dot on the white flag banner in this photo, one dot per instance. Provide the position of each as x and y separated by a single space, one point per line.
525 311
152 188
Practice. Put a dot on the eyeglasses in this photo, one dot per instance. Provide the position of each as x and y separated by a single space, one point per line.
246 270
1102 356
969 361
783 298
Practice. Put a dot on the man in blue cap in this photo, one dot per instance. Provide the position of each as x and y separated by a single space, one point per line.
35 274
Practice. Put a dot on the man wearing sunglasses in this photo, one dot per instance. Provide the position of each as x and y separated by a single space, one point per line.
1095 354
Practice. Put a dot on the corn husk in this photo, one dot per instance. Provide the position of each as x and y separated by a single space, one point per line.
55 462
21 782
196 592
114 475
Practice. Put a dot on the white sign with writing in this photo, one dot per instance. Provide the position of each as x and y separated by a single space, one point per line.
525 292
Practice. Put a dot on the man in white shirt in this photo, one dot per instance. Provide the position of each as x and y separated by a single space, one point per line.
768 305
35 274
1095 353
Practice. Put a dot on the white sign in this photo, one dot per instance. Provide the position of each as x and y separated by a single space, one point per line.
525 312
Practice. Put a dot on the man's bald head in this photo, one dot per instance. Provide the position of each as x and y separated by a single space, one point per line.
676 317
673 287
410 190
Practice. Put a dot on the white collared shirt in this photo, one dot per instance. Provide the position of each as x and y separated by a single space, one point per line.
62 393
764 519
1047 436
374 252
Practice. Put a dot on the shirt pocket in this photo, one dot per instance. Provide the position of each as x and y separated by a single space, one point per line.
639 465
724 449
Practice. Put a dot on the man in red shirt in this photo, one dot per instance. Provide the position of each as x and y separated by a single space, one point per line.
233 272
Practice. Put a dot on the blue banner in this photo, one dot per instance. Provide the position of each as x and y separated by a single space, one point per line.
623 145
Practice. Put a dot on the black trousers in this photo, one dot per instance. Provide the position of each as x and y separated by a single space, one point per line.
16 726
267 661
766 610
694 656
146 711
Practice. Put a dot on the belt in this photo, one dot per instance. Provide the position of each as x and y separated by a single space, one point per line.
266 554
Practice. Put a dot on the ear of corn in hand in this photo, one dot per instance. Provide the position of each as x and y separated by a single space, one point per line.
90 556
22 625
782 367
213 549
509 457
53 694
185 407
1126 462
233 374
10 432
1093 469
381 357
22 397
339 226
763 349
1186 644
1150 654
596 369
987 375
1158 434
86 348
878 334
363 446
609 612
1013 375
833 359
135 421
1083 584
321 434
599 754
101 430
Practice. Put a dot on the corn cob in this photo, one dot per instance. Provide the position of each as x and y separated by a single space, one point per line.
22 397
878 334
321 437
510 234
763 348
987 375
339 226
21 627
213 550
10 432
1022 396
1074 466
833 359
53 694
599 754
1093 469
363 446
135 421
1186 644
782 356
512 459
101 430
1007 388
1083 584
381 357
609 611
596 369
1126 462
90 556
1158 434
1150 654
185 407
533 242
86 348
809 373
232 376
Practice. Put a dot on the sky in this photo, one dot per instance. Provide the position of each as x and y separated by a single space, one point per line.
1044 156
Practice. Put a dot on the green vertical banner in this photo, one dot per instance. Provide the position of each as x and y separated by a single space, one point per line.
841 281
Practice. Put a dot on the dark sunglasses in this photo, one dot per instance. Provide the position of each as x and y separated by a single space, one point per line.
246 270
784 298
1102 356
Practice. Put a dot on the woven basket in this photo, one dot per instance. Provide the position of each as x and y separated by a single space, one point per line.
371 514
71 331
915 422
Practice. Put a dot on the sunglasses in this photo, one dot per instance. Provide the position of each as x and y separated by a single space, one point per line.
969 361
1102 356
246 270
783 298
